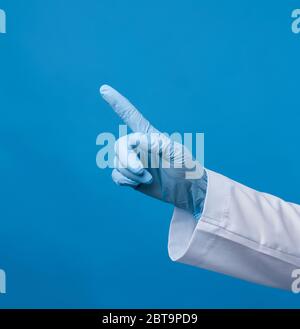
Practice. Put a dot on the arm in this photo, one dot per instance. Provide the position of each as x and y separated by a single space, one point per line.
243 233
218 224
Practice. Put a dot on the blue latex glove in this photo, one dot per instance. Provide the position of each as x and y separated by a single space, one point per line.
182 184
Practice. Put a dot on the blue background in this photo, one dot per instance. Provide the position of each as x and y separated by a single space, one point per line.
68 236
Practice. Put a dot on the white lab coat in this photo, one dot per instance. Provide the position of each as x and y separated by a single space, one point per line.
243 233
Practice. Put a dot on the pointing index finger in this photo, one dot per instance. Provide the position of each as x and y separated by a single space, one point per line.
126 111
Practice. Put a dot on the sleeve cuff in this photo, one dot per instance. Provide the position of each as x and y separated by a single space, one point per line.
183 225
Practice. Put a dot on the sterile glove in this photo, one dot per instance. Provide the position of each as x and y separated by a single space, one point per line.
152 163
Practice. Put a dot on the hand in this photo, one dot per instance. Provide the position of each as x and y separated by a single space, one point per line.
152 163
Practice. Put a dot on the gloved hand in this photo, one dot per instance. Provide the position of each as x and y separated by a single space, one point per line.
152 163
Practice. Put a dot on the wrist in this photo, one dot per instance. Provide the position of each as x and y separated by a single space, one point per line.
198 193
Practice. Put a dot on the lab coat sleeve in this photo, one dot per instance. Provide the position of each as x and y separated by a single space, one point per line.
243 233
